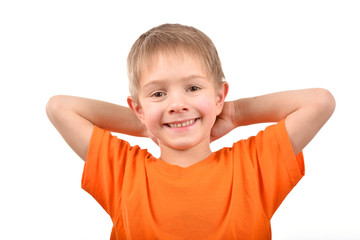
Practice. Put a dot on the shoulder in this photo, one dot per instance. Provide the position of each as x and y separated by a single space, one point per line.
105 144
272 143
271 134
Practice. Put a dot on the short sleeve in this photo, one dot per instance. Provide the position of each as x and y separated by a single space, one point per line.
278 168
104 168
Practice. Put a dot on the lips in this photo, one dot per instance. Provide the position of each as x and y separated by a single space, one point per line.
181 123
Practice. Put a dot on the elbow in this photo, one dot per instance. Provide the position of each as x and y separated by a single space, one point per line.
53 106
326 102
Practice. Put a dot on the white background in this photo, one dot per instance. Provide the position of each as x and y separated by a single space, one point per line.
80 48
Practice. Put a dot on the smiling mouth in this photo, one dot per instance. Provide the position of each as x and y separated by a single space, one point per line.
181 124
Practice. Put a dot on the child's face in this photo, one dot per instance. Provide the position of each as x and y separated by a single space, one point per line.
178 102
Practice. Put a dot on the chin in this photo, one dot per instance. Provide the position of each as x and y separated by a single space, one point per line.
180 146
183 144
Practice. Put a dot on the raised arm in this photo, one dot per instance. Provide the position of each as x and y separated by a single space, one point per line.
305 112
75 117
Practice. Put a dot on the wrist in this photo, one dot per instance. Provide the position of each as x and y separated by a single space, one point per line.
237 115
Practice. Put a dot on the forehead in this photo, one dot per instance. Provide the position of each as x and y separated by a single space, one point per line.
179 54
169 65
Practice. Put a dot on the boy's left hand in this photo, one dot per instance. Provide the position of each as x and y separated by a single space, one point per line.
224 122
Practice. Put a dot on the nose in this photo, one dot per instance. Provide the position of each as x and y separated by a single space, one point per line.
177 104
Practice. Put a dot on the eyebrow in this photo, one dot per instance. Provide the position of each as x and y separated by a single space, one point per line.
159 81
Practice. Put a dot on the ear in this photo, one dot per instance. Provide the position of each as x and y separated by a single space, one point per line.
220 98
136 108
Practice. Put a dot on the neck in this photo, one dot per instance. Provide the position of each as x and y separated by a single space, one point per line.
186 157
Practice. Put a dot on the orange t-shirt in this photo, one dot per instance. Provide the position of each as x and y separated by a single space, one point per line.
232 194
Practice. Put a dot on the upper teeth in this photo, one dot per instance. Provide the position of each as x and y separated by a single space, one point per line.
184 124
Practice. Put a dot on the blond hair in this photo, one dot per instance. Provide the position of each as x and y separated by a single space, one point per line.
173 38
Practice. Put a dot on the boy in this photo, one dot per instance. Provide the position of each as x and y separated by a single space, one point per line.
178 100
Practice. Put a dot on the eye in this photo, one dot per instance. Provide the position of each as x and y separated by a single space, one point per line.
157 94
193 88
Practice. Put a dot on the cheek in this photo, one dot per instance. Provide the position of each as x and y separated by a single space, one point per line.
207 108
152 115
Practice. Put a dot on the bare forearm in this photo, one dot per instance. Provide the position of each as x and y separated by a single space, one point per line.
106 115
277 106
305 112
75 117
